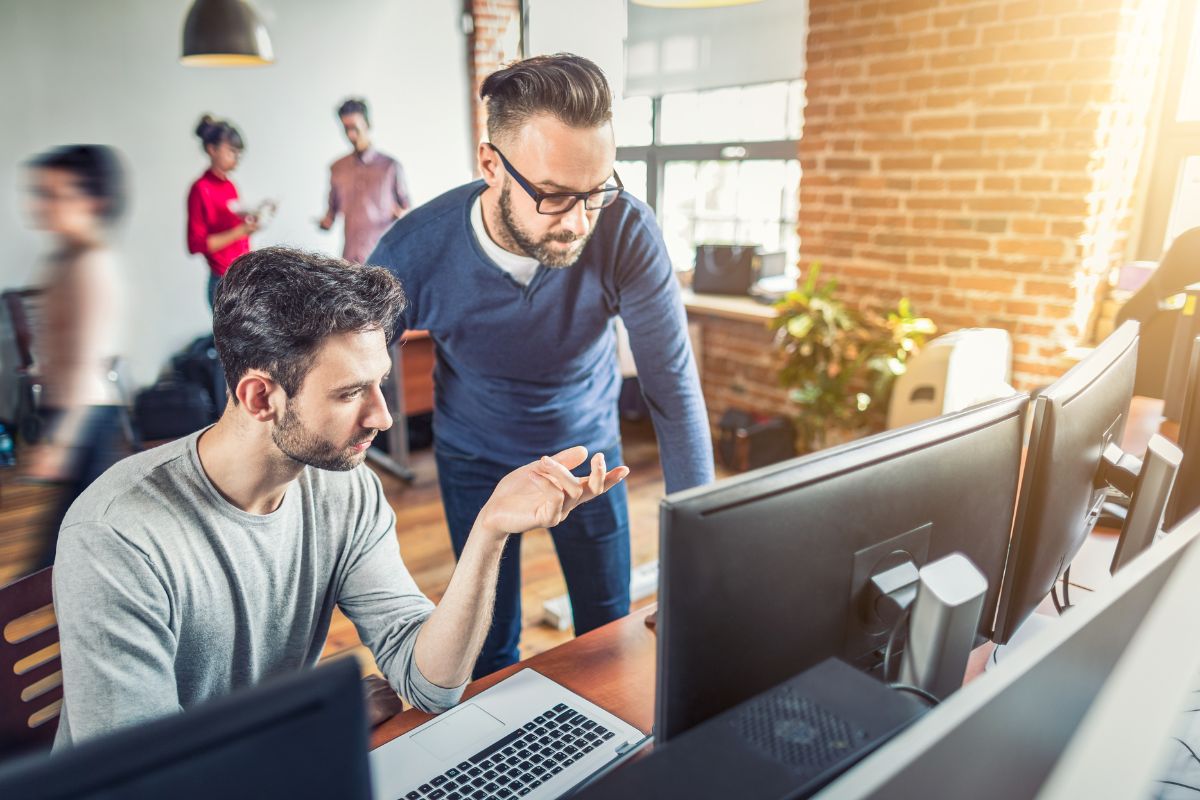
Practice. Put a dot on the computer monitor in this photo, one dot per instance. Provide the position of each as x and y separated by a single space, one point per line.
304 735
768 573
1002 735
1156 472
1185 496
1065 477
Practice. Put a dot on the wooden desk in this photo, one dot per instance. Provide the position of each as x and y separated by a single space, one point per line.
729 306
417 358
410 391
613 666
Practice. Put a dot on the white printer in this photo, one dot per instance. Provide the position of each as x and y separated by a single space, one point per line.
953 372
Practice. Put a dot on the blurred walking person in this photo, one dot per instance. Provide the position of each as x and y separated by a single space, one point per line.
77 196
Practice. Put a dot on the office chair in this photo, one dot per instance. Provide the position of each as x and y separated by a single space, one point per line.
29 699
1178 269
21 307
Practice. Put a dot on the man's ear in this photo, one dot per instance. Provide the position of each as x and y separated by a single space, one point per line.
490 168
255 393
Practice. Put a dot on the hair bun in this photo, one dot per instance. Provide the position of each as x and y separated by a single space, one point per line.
207 123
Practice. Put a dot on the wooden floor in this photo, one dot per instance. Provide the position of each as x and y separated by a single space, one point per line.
424 541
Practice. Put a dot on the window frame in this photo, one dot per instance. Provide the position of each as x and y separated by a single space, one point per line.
656 155
1171 142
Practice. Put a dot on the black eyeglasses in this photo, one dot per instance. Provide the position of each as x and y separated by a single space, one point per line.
562 202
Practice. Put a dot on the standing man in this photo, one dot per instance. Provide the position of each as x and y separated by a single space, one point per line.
518 278
367 187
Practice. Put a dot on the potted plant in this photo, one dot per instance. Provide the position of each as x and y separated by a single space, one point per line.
840 362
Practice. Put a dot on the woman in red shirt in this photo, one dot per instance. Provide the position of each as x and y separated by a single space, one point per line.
216 227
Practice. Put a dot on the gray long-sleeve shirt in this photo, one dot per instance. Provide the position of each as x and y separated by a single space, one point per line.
168 595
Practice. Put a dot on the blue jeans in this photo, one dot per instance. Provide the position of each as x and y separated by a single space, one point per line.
214 281
592 546
101 444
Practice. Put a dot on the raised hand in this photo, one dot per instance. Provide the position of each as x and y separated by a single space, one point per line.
542 494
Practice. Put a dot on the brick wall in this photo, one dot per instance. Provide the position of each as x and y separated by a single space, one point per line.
496 39
978 157
739 365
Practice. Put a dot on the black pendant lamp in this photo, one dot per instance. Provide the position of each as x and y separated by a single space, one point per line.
225 33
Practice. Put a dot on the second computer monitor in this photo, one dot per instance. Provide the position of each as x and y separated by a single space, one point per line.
1185 496
1062 484
299 735
768 573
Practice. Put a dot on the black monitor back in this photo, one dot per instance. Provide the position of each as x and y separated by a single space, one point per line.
304 735
1005 732
1185 494
1074 419
762 575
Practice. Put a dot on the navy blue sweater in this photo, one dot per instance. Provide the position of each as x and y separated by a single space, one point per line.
529 370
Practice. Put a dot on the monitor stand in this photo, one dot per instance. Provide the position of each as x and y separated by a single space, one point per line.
1147 483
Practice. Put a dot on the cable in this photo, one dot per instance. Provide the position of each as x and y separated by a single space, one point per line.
1054 596
1181 785
917 690
891 643
1188 747
1066 580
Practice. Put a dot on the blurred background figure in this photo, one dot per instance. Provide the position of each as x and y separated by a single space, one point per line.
366 187
77 196
218 227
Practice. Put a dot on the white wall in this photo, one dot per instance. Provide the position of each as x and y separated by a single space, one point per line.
107 71
594 29
684 50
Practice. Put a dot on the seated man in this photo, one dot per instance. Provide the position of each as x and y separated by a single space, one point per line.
214 562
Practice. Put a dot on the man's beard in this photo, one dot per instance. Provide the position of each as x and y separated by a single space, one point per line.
300 444
540 249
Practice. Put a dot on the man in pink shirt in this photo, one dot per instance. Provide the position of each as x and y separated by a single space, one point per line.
367 187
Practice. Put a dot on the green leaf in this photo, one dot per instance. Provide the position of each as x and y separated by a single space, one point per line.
800 326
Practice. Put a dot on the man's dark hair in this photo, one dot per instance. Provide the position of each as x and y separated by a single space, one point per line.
96 168
276 306
354 105
568 87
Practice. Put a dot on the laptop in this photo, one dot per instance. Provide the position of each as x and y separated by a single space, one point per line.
526 737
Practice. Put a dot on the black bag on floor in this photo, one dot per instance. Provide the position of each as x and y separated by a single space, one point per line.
170 409
198 364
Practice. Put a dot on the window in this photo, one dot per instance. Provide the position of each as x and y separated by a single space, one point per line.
1174 190
717 166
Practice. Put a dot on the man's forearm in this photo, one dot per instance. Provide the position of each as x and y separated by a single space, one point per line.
452 637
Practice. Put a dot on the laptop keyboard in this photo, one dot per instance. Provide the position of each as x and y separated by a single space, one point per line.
520 762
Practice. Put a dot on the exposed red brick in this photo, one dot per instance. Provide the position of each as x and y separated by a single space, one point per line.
987 131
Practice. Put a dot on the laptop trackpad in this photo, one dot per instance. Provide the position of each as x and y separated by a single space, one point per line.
459 730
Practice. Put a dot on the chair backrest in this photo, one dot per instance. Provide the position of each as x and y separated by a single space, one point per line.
30 669
21 305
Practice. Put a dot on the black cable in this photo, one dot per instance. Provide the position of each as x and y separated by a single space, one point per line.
891 643
1181 785
1054 596
917 690
1066 580
1188 747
